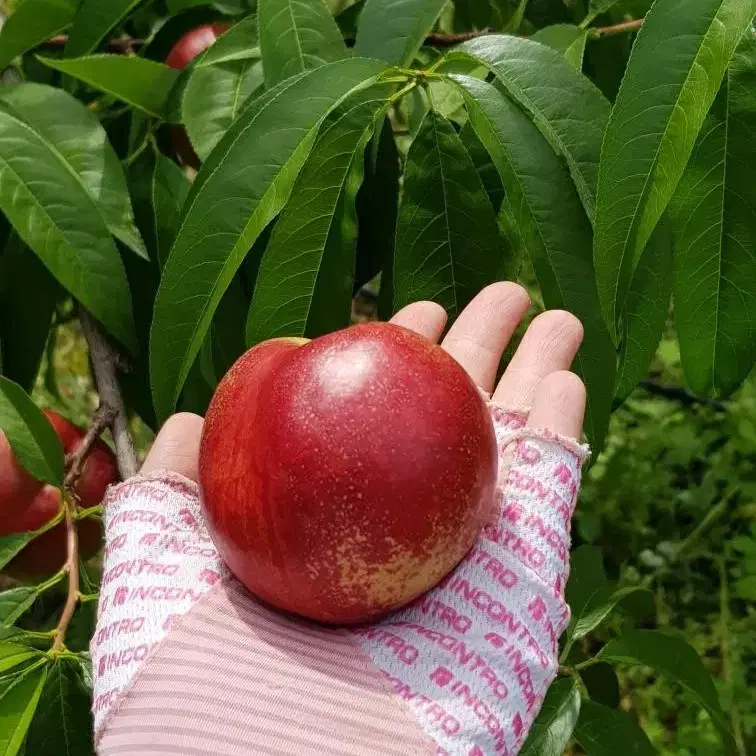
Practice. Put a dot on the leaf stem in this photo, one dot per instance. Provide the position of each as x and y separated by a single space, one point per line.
72 568
82 514
50 582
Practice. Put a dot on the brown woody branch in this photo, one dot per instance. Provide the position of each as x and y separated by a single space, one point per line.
102 418
128 45
677 394
104 362
625 26
122 45
436 39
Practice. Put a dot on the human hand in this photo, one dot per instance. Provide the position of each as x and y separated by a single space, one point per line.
230 676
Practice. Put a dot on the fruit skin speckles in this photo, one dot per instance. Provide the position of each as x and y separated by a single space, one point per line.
344 477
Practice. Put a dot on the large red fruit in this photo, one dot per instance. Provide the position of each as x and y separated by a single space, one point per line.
27 504
343 478
182 53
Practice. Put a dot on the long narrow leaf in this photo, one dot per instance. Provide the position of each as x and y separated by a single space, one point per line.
554 229
394 30
54 213
92 22
304 285
240 188
714 215
296 36
77 135
672 77
33 22
141 83
447 242
565 106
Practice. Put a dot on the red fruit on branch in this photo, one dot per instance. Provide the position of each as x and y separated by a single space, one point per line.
193 43
182 53
344 477
28 504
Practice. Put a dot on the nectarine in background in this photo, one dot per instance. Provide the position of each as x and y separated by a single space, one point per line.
27 504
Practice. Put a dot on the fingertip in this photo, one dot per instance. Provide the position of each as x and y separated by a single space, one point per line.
559 404
426 318
559 326
483 329
550 344
176 446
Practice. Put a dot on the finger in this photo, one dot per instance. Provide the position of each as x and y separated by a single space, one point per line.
550 343
426 318
176 447
482 331
559 404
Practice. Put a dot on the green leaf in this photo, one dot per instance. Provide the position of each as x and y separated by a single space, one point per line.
394 30
14 602
28 294
76 134
228 342
646 311
218 85
745 588
12 544
599 607
297 36
483 165
70 237
587 578
242 185
63 723
141 83
14 655
674 658
304 284
377 209
552 728
566 39
556 232
596 8
213 98
447 242
565 106
170 187
30 434
92 22
714 214
240 42
590 595
19 697
672 77
33 22
602 684
602 731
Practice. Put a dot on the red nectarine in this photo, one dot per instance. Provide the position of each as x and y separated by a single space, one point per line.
27 504
344 477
